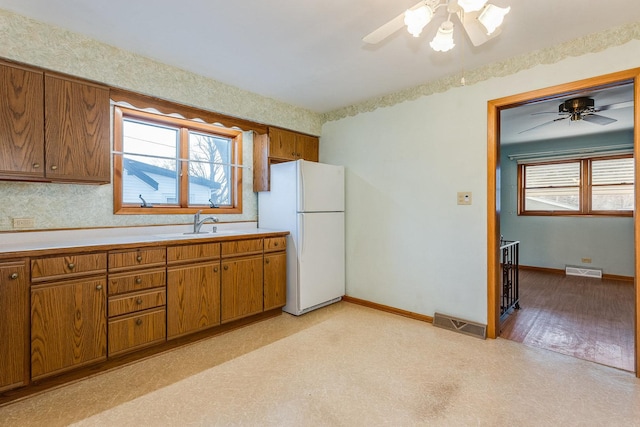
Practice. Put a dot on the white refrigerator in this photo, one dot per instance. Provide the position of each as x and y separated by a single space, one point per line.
307 199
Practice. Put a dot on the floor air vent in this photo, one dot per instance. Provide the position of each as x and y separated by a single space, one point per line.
459 325
570 270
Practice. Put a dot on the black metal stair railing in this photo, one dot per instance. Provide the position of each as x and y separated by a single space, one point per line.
509 291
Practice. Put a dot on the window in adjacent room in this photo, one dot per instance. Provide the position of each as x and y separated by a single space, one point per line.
587 186
169 165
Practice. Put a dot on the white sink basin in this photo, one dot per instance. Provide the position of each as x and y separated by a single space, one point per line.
191 235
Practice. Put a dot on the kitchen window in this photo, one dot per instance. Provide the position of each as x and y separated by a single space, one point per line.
586 186
165 165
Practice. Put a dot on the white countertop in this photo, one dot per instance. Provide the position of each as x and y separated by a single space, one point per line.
59 239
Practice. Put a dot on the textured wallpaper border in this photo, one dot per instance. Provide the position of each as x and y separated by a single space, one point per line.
592 43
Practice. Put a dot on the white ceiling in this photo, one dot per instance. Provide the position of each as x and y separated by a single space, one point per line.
310 53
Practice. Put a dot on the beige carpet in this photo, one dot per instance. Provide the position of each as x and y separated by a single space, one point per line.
343 365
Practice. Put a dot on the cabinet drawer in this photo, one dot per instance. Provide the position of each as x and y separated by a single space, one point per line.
274 244
67 266
198 252
128 282
136 301
135 331
242 247
148 257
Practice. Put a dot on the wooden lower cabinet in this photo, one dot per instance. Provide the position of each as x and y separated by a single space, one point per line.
68 325
193 298
241 293
128 333
275 280
14 321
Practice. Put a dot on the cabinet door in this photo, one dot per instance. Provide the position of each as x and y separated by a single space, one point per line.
193 298
21 123
307 147
68 325
14 320
282 144
76 131
275 280
241 293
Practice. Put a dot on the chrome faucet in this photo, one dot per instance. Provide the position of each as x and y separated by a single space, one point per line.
197 222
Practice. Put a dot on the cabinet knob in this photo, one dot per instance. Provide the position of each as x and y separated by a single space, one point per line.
266 261
71 266
99 287
138 280
275 244
215 269
139 258
13 276
138 322
226 267
36 165
139 301
54 167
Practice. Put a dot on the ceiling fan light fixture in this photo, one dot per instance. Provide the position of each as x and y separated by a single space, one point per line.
417 19
471 5
443 41
492 16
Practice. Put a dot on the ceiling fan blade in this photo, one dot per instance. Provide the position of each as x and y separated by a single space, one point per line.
616 106
476 32
389 28
598 119
543 124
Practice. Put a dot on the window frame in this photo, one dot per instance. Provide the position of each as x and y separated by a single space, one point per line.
184 125
585 189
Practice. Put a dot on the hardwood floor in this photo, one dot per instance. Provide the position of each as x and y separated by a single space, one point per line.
590 319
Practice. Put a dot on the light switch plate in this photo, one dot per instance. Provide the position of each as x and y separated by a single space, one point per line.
464 197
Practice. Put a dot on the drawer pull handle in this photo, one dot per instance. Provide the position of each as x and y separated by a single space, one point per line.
138 280
99 287
14 276
138 322
139 301
36 165
54 167
139 258
266 261
226 267
71 266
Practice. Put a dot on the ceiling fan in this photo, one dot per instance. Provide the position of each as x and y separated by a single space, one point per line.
479 19
582 108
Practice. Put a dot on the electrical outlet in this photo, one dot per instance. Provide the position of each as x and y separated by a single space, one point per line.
586 260
24 223
464 197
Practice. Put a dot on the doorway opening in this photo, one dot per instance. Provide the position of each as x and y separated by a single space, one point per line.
531 100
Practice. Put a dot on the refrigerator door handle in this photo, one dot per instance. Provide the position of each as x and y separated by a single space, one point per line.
301 195
301 235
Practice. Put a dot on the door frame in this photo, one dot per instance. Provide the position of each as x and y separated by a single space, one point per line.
493 172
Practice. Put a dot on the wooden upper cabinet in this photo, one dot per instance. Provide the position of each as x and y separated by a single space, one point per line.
280 145
76 131
21 123
307 147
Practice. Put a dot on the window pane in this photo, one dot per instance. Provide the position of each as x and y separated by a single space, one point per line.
153 174
613 171
554 175
149 139
210 173
552 199
612 198
156 180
